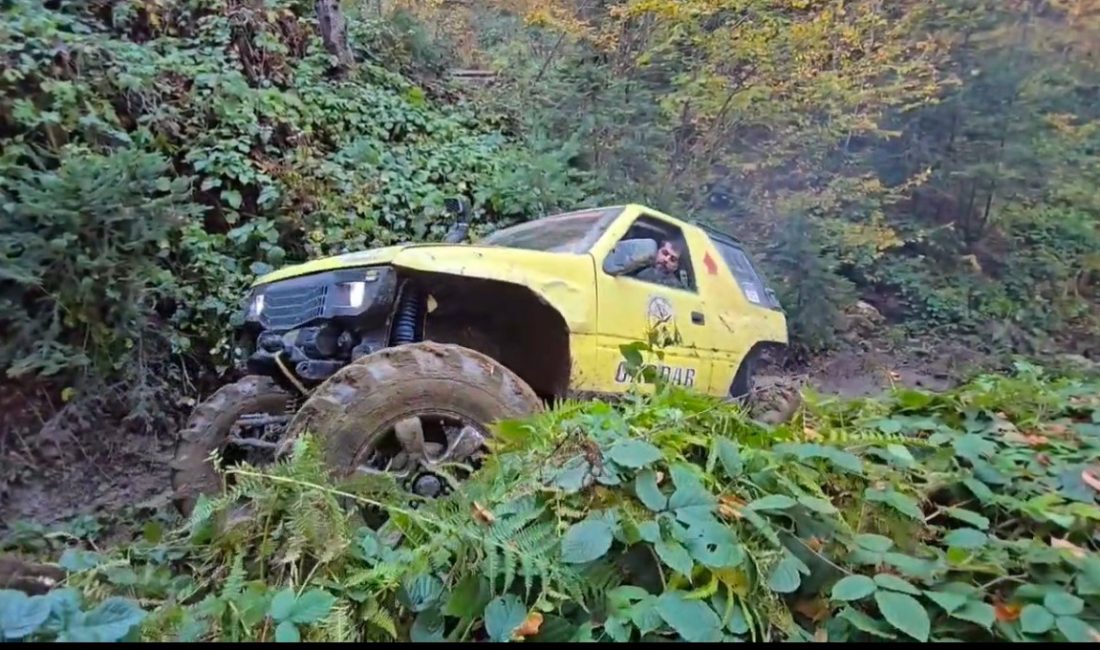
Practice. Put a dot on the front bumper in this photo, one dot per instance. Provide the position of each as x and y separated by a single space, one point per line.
312 325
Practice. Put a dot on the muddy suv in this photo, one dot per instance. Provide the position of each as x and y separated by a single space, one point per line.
401 358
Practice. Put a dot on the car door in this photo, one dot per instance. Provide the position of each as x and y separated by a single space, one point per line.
741 305
629 308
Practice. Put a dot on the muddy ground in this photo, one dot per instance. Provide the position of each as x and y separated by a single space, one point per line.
103 472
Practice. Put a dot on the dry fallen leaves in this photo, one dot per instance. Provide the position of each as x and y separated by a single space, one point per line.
529 627
816 609
810 433
1067 545
729 507
1090 479
483 515
1007 612
1056 430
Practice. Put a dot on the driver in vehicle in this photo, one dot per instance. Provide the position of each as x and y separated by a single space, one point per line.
666 266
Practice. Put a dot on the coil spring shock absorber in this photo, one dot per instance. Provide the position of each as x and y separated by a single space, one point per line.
407 321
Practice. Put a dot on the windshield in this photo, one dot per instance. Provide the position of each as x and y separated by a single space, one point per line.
573 232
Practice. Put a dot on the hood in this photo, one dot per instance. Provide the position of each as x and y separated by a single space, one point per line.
375 257
371 257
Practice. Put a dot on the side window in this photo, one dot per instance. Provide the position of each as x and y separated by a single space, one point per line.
751 284
672 266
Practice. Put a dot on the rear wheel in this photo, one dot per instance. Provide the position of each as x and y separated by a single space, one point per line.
213 427
411 410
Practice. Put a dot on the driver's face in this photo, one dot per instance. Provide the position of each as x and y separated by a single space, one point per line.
668 258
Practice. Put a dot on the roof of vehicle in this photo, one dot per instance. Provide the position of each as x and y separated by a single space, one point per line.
712 231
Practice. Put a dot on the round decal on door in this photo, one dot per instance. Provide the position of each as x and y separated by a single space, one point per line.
659 311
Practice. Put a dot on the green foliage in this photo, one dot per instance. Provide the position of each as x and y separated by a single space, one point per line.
175 151
666 517
58 616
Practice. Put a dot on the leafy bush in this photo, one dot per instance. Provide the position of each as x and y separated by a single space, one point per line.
81 251
969 516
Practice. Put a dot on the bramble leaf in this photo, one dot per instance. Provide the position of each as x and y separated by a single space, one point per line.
645 486
730 457
894 583
947 600
772 502
966 538
853 588
633 453
287 632
1076 631
1036 619
785 577
503 615
693 620
586 541
976 612
1061 603
905 613
675 556
21 615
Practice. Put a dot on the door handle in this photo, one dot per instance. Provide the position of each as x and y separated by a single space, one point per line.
697 317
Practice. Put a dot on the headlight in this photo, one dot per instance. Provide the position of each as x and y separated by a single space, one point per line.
255 307
350 294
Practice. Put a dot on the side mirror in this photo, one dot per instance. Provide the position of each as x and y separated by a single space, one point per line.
630 255
460 210
458 207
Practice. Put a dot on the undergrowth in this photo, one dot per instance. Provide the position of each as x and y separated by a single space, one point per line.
969 515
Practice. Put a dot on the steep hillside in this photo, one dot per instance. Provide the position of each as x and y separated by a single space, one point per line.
156 156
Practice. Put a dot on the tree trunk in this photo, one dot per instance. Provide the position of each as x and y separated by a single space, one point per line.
334 31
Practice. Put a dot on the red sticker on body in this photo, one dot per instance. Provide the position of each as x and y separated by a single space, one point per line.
708 262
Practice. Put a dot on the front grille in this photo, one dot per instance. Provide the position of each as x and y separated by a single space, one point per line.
289 307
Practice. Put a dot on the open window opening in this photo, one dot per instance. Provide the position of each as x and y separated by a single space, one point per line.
672 265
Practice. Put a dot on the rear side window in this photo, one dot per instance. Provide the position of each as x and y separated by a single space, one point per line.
750 281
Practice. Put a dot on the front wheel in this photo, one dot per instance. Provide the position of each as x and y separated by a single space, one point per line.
411 409
212 428
744 381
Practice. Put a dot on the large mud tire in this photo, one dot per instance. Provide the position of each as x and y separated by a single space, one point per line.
208 430
355 408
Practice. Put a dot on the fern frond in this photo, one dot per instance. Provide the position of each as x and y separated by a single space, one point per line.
234 582
379 618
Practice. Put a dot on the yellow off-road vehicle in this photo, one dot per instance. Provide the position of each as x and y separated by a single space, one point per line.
401 358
